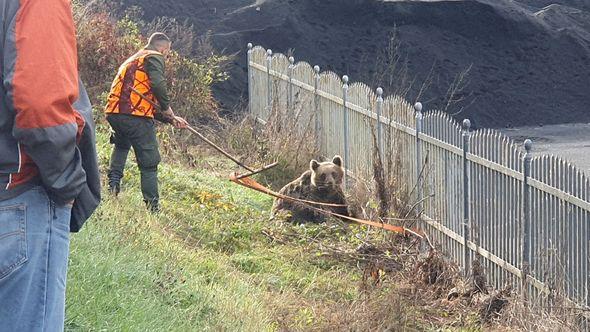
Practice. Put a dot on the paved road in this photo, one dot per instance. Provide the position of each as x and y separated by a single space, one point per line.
570 141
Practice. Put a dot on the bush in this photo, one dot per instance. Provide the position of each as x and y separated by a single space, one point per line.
283 138
105 41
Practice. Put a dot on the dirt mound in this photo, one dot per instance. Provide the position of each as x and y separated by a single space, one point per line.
530 63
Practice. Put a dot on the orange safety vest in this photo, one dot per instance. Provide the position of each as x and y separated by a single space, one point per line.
132 73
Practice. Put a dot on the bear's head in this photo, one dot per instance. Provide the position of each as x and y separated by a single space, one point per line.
327 175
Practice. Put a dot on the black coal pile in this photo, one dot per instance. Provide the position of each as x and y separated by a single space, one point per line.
528 60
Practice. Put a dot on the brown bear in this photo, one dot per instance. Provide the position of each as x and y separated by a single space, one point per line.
321 183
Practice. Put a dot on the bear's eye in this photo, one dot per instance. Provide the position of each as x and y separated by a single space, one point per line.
323 177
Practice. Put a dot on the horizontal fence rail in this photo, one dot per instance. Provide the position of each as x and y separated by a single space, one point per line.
480 196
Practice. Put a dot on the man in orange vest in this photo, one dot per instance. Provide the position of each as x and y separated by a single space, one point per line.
139 85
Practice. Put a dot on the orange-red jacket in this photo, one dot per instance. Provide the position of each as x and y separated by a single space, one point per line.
46 129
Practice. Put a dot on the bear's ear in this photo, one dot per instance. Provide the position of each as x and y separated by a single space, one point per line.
313 165
337 160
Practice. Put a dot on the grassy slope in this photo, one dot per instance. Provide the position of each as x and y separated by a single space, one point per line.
203 265
214 261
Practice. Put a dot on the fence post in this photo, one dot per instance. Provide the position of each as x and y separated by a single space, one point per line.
379 124
345 120
466 198
250 79
419 117
316 108
526 214
290 89
268 81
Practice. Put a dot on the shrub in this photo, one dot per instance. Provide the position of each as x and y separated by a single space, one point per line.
283 139
105 41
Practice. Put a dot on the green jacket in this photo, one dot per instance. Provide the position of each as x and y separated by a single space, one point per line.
156 68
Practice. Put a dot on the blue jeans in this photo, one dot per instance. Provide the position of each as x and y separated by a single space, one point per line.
34 246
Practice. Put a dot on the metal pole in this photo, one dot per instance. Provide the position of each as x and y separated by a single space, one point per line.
466 198
316 109
379 124
268 81
419 117
526 207
345 125
250 79
290 88
194 131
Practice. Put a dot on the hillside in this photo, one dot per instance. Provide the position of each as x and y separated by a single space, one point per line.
213 261
531 63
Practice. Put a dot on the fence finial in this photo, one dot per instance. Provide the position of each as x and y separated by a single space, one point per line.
380 92
291 60
345 79
250 46
418 107
269 52
466 124
316 68
528 145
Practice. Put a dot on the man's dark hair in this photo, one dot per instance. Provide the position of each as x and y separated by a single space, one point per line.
158 38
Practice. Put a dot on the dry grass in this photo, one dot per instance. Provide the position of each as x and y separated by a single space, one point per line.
527 316
283 138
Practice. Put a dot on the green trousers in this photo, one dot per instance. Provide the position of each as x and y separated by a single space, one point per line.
139 133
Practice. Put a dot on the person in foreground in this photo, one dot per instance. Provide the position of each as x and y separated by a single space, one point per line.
49 180
139 85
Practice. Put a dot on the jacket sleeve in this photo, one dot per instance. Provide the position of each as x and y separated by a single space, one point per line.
41 80
89 197
156 72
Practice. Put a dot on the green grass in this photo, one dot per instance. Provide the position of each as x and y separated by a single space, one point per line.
214 261
203 264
